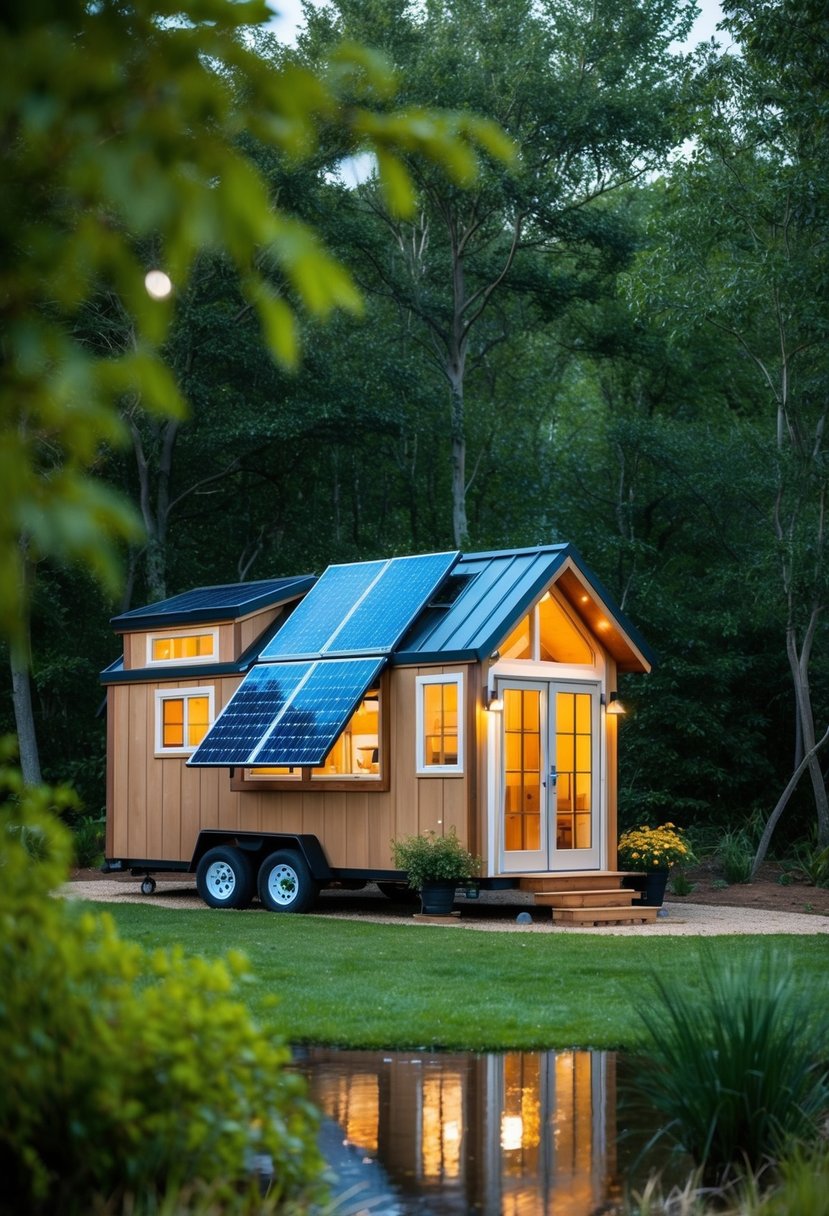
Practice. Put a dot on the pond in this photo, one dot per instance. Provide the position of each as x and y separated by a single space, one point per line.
551 1133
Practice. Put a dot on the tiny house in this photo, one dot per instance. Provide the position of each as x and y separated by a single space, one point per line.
274 736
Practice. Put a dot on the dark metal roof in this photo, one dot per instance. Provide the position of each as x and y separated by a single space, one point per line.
223 603
500 588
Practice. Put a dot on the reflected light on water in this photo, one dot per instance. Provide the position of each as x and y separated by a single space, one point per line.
455 1134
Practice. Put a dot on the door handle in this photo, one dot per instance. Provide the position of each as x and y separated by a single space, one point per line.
553 776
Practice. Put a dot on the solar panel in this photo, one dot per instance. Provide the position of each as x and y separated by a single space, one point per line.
318 711
249 713
320 614
393 601
361 609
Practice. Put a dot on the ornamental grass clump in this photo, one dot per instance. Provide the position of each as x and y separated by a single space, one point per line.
433 858
646 848
737 1063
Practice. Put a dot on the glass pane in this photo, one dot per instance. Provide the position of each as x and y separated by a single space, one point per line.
197 719
532 709
440 723
532 758
582 700
564 753
560 640
565 715
583 751
172 717
517 645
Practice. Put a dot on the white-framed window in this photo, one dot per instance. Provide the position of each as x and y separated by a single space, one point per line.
440 711
170 649
182 716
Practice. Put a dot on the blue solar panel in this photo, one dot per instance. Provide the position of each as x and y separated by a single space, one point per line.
305 733
248 714
394 600
322 611
361 609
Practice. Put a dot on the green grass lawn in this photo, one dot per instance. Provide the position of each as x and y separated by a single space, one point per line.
359 984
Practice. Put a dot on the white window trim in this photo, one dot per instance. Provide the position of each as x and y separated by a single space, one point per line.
185 694
437 770
183 633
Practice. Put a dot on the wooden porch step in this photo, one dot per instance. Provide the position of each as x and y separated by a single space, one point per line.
616 898
575 880
604 916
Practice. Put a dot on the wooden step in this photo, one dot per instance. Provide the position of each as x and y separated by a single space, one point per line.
576 880
620 898
604 916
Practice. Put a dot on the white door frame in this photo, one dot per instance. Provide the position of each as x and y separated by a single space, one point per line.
550 678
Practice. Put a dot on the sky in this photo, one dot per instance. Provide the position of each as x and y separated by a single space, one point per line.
290 15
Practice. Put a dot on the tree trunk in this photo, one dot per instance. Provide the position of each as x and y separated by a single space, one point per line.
460 524
772 821
24 717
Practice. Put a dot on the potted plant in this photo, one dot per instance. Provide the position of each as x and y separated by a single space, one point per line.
653 851
435 865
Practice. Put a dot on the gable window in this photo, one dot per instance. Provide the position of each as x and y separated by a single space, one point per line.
183 647
182 716
549 634
440 724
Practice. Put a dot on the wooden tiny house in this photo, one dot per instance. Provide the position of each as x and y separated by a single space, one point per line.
279 734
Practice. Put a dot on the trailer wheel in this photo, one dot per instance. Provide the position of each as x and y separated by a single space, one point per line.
224 878
148 885
286 884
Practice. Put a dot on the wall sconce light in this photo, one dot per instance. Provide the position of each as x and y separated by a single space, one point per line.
493 702
614 705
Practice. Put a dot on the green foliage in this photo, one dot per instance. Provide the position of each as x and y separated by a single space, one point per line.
124 1072
88 841
811 861
736 1063
433 858
680 883
735 854
124 151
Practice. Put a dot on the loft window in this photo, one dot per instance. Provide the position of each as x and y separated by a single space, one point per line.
183 647
182 716
439 724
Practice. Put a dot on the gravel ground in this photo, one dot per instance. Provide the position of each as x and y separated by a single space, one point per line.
492 912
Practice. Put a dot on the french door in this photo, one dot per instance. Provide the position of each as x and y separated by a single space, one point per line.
550 803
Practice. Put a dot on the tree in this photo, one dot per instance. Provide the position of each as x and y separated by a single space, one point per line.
123 157
750 231
122 146
591 94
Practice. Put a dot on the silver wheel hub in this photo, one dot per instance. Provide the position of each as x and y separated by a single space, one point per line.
220 880
283 884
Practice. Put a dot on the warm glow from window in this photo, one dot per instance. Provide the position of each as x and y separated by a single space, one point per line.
356 752
182 719
442 1125
182 648
559 639
439 724
517 645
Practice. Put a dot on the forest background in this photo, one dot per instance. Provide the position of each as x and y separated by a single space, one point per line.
620 341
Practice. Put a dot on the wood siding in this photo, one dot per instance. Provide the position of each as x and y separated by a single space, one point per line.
157 805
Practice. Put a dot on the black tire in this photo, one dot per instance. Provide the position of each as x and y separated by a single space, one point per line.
148 885
401 892
224 878
286 884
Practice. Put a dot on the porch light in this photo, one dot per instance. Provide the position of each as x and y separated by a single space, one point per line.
614 705
494 703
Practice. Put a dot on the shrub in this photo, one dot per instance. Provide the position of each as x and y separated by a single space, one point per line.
737 1064
735 853
125 1072
433 858
646 848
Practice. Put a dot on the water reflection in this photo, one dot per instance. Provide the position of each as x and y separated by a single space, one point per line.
513 1134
